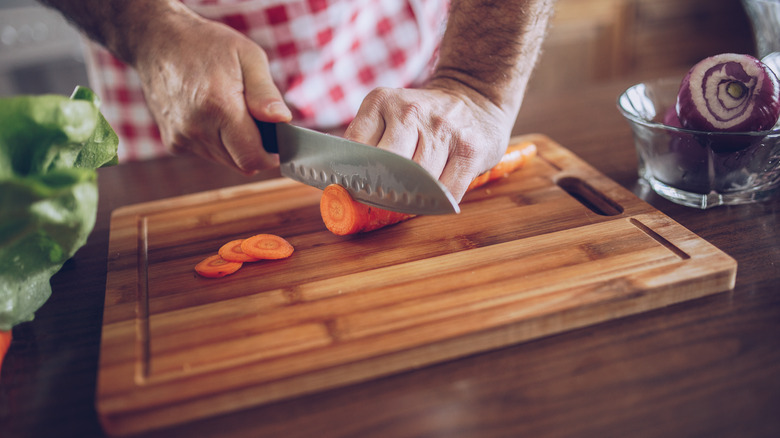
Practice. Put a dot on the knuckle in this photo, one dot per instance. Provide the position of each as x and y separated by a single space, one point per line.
376 99
379 94
442 129
467 156
394 103
411 112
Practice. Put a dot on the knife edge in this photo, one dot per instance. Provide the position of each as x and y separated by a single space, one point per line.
374 195
373 176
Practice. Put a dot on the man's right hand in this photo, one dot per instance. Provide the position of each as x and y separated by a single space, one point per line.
205 84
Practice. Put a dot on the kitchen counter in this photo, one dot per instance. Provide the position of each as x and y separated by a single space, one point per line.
707 367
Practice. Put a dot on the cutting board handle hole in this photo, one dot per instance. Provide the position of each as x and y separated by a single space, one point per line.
591 198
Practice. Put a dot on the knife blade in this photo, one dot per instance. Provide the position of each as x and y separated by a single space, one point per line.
372 176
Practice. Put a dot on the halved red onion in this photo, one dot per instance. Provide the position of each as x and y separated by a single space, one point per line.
729 93
686 163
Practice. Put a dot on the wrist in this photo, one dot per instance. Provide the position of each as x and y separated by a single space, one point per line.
133 26
492 48
500 105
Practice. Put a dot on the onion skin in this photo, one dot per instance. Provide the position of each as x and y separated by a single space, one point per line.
729 93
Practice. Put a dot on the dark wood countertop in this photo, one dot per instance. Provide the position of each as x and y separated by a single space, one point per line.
708 367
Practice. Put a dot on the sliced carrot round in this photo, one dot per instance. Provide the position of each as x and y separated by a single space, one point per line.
267 246
232 252
215 266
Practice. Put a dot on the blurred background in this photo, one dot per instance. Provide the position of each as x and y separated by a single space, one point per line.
589 41
597 40
39 51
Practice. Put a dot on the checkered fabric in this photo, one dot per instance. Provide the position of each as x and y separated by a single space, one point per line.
325 56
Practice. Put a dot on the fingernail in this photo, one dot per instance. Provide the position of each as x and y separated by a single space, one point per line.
279 109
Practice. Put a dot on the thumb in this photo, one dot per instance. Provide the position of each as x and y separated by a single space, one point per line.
263 98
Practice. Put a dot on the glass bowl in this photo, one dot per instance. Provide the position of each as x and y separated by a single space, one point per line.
696 168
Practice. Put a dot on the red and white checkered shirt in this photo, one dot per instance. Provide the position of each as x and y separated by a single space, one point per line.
325 56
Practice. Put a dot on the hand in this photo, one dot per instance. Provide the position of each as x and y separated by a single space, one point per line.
459 125
449 129
204 83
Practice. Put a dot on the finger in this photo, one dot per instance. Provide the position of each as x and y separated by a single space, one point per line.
263 98
241 139
261 101
216 153
455 183
432 155
457 174
225 133
368 125
400 138
179 140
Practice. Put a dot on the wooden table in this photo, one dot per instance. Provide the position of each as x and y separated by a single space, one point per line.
708 367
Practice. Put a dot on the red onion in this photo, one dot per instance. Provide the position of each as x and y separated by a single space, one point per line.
729 93
686 163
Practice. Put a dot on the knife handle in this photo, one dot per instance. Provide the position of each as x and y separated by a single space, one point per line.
268 136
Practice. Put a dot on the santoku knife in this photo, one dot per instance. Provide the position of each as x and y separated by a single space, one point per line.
372 176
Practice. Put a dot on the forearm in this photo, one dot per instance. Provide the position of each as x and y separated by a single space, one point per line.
491 46
119 25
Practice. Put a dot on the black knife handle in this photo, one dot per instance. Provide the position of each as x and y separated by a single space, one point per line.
268 136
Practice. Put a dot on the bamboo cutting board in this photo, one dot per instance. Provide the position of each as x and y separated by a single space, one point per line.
553 247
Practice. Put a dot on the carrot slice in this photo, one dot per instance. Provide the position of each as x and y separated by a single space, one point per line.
343 215
215 266
267 247
5 342
232 252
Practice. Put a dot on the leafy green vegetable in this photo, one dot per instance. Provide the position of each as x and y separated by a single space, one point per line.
50 146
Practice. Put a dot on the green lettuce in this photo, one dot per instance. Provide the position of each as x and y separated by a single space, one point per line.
50 146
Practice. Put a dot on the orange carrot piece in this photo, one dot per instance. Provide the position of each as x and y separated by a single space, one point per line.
343 215
5 342
215 266
514 158
232 252
480 180
267 247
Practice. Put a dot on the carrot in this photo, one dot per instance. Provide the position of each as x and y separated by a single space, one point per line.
215 266
515 157
480 180
5 342
343 215
232 252
232 255
267 246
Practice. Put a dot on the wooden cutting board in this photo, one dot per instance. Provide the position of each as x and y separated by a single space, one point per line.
553 247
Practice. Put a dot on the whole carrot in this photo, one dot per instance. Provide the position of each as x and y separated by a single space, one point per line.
343 215
515 157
